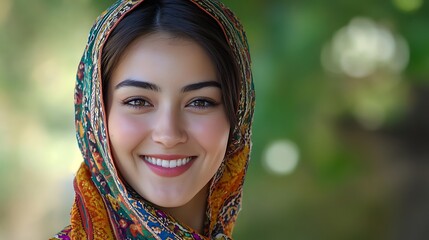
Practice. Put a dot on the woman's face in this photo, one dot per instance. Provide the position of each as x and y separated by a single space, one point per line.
166 121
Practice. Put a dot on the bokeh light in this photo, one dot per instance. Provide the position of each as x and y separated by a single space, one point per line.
363 47
281 157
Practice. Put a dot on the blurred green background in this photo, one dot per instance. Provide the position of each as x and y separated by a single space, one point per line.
341 128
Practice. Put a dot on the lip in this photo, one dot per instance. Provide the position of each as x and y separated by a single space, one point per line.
168 172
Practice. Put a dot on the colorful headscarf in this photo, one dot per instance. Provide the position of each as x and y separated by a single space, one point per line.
104 206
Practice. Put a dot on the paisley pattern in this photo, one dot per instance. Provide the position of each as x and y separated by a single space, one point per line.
105 207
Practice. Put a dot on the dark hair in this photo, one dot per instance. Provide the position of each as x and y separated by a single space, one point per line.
182 19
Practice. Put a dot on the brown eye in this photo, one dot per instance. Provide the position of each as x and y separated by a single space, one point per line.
137 103
202 103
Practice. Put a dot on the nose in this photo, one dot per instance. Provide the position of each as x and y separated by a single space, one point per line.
168 128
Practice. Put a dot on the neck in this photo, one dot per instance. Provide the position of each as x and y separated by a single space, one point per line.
192 213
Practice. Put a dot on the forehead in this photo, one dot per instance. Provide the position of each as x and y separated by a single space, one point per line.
161 55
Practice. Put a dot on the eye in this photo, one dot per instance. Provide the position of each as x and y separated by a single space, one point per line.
137 103
202 103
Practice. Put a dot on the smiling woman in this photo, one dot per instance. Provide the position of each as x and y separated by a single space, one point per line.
164 102
176 119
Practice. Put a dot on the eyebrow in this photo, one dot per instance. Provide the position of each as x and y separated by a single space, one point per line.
138 84
154 87
199 85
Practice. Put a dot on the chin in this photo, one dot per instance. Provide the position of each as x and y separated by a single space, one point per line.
177 197
166 198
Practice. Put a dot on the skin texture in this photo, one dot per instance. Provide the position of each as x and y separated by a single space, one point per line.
167 120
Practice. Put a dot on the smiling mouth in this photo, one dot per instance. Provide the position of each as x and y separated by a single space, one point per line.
171 163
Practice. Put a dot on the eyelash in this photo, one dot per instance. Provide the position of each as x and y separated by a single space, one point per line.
137 103
207 103
143 103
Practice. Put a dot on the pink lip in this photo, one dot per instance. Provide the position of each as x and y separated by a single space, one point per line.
168 172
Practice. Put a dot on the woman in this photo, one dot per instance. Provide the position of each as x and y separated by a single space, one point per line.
164 101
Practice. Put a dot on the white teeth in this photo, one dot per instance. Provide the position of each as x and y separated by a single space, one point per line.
165 164
168 163
172 164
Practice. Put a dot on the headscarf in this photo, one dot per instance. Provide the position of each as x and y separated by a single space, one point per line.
104 206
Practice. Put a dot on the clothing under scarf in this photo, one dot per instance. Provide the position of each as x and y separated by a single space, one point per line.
107 208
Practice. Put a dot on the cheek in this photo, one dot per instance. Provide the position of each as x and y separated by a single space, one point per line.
211 132
125 131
